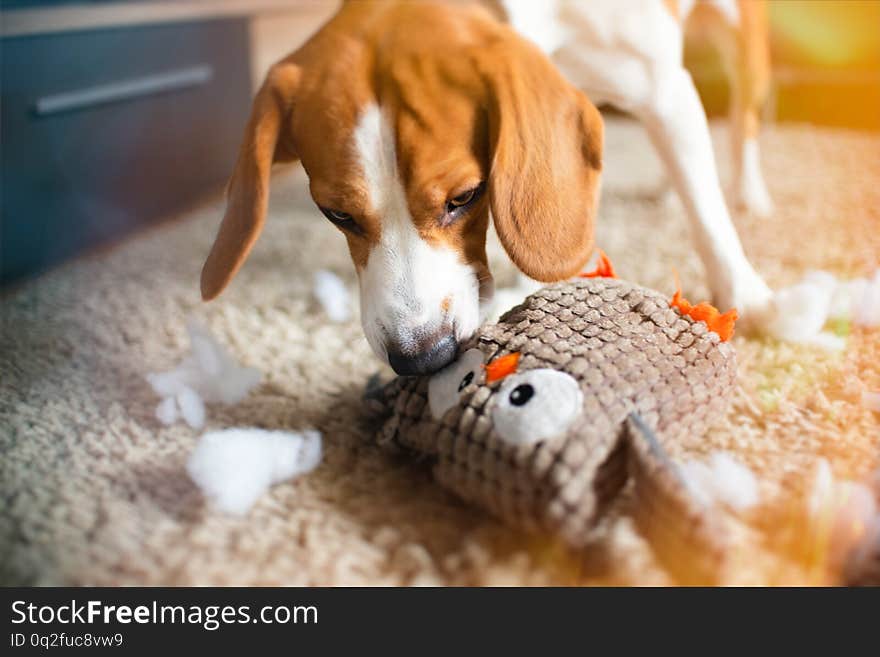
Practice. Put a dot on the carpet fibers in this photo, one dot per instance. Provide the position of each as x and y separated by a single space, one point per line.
93 489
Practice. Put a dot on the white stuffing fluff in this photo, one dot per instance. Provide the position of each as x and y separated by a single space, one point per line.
871 400
209 374
332 294
192 408
847 296
723 480
822 279
799 313
166 411
869 310
234 467
828 341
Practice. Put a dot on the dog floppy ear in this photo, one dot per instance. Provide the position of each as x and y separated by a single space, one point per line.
545 140
248 190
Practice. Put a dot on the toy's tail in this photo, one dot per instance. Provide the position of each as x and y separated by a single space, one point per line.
686 535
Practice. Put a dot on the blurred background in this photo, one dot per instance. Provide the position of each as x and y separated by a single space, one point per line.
119 114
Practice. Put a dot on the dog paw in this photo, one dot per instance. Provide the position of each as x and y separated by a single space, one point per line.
751 196
752 298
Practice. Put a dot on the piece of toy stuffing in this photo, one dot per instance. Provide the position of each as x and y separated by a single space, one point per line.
721 480
332 294
868 312
799 313
235 467
208 374
546 415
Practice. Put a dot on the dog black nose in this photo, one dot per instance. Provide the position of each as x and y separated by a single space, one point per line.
434 355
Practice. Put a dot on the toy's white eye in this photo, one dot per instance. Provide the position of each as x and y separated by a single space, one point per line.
446 386
536 405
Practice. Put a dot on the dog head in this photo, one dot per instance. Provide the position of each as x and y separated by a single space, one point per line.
414 122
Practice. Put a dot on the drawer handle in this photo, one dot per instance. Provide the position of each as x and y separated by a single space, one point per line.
114 92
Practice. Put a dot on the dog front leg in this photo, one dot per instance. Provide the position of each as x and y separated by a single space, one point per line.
746 53
748 188
678 128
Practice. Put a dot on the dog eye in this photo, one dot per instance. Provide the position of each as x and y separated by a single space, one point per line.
463 199
536 405
342 219
446 386
457 203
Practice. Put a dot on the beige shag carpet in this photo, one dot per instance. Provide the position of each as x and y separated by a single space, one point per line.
93 489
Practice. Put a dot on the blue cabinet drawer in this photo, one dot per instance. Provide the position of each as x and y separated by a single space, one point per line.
105 131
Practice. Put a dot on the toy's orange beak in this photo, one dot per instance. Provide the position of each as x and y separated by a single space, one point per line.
501 367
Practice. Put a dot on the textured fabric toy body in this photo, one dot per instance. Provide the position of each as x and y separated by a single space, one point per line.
607 374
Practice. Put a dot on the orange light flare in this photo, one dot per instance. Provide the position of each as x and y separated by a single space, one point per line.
722 324
829 522
604 268
501 367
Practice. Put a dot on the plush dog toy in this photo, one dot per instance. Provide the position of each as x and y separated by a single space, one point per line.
545 415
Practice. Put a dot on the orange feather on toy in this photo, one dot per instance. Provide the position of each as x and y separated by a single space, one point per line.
722 324
604 268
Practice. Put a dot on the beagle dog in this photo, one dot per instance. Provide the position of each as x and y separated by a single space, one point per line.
417 121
